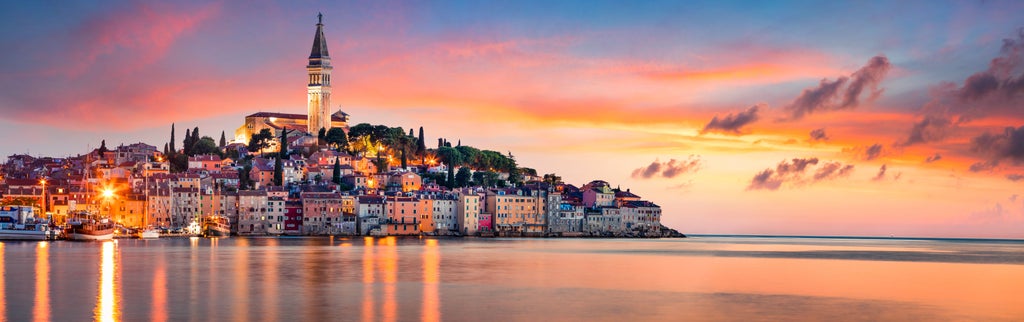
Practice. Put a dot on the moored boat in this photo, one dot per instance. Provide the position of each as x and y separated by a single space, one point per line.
86 227
20 223
216 226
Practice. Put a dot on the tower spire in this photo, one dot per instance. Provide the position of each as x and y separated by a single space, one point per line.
318 88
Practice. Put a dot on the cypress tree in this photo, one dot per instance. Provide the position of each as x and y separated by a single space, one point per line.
223 140
336 178
451 176
279 162
186 144
404 164
421 146
172 139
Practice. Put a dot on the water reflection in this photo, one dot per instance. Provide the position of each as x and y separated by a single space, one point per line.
107 301
159 291
431 277
270 266
389 259
241 291
41 310
368 279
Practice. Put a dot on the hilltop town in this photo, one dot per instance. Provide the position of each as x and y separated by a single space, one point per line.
314 174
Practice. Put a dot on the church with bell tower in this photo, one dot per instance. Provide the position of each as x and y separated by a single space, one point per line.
318 99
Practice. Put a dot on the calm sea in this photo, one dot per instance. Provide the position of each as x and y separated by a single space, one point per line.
389 279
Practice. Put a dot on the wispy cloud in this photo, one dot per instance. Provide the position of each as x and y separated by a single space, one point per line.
841 93
733 123
793 171
670 169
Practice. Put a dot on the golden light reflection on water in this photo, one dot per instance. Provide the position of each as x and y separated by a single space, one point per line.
431 277
270 300
41 309
368 309
389 259
159 313
107 301
241 280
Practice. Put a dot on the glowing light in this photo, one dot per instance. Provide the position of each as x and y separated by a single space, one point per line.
108 193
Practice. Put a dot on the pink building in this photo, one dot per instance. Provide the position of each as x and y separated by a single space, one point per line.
486 224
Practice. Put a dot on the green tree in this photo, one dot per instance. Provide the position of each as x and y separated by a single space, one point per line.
470 156
260 141
450 156
244 182
552 179
205 145
462 177
321 136
223 140
336 138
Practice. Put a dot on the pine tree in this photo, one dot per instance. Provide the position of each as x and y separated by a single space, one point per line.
223 140
166 151
103 148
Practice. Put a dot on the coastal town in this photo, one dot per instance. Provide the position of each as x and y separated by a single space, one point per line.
315 174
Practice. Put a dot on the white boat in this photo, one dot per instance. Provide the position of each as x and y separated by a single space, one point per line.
20 223
149 233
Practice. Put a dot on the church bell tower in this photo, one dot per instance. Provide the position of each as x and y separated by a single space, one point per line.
318 91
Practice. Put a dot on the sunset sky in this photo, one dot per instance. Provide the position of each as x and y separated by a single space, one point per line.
811 118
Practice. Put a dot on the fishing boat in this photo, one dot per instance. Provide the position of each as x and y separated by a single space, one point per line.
216 226
20 223
85 227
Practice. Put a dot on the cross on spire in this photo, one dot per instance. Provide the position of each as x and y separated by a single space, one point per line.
320 18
